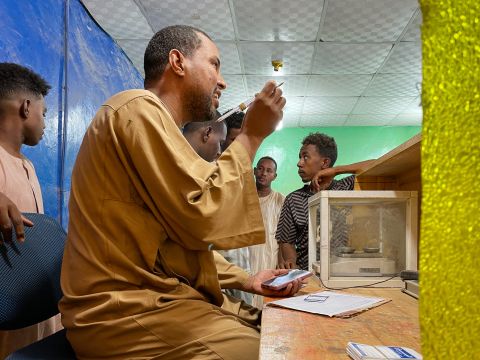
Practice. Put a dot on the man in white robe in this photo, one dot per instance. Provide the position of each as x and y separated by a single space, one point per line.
265 256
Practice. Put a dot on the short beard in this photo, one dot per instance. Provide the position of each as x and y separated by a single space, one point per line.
31 140
200 107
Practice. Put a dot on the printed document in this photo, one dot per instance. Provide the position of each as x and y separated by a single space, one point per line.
329 303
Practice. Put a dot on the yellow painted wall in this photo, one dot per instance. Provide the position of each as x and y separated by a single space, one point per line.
450 230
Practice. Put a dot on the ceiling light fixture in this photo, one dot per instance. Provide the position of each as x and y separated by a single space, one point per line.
277 64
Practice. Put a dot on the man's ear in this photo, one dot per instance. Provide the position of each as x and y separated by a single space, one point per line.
176 61
206 133
326 163
25 109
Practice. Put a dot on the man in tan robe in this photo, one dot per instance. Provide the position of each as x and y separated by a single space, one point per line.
139 276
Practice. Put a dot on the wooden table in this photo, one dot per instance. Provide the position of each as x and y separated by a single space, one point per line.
288 334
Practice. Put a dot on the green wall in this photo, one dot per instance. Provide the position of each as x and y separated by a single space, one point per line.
355 143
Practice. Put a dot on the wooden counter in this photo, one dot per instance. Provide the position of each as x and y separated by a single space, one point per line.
294 335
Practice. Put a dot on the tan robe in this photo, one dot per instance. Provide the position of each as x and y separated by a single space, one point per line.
19 182
139 278
265 256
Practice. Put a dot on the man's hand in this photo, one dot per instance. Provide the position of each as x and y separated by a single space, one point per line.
265 112
254 284
262 117
287 256
322 179
11 217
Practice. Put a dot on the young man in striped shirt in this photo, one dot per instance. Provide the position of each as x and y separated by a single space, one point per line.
315 167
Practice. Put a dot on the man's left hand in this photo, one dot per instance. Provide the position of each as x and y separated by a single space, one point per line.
254 284
322 179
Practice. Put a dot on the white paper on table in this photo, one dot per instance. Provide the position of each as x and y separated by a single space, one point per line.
335 304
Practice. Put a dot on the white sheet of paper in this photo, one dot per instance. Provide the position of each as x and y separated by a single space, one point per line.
335 304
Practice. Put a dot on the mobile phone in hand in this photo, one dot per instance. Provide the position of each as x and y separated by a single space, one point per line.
282 281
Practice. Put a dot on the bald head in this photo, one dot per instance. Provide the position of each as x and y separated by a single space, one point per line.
182 68
200 125
184 38
206 138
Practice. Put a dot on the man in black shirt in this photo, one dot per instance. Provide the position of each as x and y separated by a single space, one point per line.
315 167
234 126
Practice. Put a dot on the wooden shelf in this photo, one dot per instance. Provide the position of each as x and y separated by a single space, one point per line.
399 169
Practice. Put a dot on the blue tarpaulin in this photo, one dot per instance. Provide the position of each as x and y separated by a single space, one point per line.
60 41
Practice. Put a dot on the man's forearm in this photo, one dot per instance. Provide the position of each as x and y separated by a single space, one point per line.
230 276
279 256
354 168
287 253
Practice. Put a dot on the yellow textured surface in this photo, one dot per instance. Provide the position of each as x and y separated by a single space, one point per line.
450 229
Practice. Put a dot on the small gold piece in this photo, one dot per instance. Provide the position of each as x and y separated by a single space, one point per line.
242 106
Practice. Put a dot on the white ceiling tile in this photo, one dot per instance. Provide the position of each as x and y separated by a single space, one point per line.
122 19
395 85
235 87
369 120
135 50
406 58
414 107
290 118
230 61
337 85
293 85
407 120
332 58
329 105
211 16
322 120
258 57
366 20
278 20
381 105
294 105
413 32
